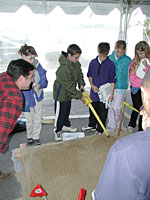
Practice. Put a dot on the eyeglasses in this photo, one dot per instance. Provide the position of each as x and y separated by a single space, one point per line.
31 57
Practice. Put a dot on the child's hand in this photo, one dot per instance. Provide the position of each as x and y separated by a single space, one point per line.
83 99
82 88
111 97
36 87
144 63
95 89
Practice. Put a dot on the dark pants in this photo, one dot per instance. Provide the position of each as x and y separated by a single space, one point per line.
137 103
62 112
101 112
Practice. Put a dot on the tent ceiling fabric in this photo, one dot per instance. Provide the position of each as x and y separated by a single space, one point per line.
99 7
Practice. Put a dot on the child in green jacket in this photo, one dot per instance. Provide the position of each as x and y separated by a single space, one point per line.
68 76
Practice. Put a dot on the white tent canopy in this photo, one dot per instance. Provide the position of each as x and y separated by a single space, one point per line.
50 26
99 7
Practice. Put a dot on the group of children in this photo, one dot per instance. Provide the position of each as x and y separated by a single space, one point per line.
116 69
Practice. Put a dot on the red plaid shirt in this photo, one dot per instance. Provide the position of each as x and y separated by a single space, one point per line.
11 101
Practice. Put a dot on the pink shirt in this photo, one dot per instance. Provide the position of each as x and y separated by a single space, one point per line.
135 81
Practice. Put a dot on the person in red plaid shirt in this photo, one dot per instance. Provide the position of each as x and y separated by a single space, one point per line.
18 76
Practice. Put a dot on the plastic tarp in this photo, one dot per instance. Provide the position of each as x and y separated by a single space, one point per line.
99 7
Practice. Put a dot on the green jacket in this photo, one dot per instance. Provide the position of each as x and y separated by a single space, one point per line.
68 76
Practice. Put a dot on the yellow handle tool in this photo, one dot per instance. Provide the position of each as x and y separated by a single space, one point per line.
88 102
128 105
122 112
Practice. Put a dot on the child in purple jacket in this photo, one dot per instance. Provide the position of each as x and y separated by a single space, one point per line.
101 71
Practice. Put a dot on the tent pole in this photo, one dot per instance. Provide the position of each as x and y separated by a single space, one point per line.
120 28
125 23
124 19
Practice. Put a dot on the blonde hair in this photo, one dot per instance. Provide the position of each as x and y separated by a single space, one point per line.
141 46
120 44
27 50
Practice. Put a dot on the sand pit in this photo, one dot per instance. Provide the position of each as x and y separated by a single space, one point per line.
65 167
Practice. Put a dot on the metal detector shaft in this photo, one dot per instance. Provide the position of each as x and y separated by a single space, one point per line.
88 102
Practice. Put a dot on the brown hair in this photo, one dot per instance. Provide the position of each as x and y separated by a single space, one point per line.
74 49
27 50
103 48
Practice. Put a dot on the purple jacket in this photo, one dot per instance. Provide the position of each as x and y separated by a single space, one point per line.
126 173
107 74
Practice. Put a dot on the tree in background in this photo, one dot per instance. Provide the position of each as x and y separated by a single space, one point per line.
147 29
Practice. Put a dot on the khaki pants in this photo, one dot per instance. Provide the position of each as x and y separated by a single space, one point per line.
34 121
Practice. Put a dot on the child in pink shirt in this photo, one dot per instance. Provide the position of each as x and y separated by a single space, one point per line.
142 58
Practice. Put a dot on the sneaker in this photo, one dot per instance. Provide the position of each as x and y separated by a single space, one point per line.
69 129
5 176
123 129
98 133
88 128
37 142
130 129
29 141
57 135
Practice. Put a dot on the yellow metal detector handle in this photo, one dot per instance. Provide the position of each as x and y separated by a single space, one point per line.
122 112
128 105
87 98
88 102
